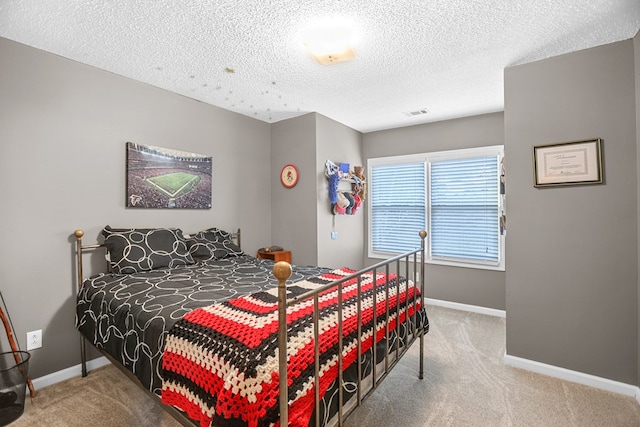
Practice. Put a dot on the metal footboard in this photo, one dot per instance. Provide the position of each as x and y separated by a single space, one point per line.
282 271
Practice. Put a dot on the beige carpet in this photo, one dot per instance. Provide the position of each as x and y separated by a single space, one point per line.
465 384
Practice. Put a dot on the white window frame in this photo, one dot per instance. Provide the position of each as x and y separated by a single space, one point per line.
428 158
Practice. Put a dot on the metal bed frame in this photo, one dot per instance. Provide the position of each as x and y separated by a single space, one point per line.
282 271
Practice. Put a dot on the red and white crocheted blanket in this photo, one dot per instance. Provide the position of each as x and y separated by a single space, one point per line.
221 362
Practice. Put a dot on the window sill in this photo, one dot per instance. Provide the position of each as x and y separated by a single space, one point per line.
477 266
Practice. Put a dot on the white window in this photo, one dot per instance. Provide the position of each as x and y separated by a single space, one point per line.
455 195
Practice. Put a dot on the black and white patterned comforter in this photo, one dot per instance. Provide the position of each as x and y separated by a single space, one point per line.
129 316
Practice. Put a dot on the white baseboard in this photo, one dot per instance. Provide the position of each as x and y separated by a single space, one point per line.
573 376
466 307
65 374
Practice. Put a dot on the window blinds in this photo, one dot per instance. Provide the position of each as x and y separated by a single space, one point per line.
464 210
397 193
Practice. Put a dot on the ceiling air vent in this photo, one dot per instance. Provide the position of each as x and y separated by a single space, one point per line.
416 112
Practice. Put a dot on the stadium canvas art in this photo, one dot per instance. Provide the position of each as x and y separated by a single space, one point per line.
165 178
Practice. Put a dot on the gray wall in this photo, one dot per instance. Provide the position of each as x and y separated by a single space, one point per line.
293 213
339 144
636 45
572 267
463 285
301 216
63 129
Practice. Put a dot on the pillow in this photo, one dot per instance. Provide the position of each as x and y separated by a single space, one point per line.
142 249
213 244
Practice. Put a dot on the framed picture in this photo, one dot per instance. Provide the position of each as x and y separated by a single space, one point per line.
165 178
568 163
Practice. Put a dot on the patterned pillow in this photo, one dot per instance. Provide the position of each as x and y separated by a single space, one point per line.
213 244
141 249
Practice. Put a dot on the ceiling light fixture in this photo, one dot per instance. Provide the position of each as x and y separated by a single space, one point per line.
329 42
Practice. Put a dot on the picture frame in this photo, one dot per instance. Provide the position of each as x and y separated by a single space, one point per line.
568 163
160 178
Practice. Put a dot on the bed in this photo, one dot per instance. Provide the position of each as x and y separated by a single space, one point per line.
201 324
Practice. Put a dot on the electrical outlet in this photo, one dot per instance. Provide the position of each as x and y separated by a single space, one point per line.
34 339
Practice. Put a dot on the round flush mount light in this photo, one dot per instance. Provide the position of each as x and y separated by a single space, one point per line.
329 41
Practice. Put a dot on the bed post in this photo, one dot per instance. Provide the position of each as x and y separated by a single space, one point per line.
282 271
423 235
83 354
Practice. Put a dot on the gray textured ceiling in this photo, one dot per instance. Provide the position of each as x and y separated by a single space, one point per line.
446 56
